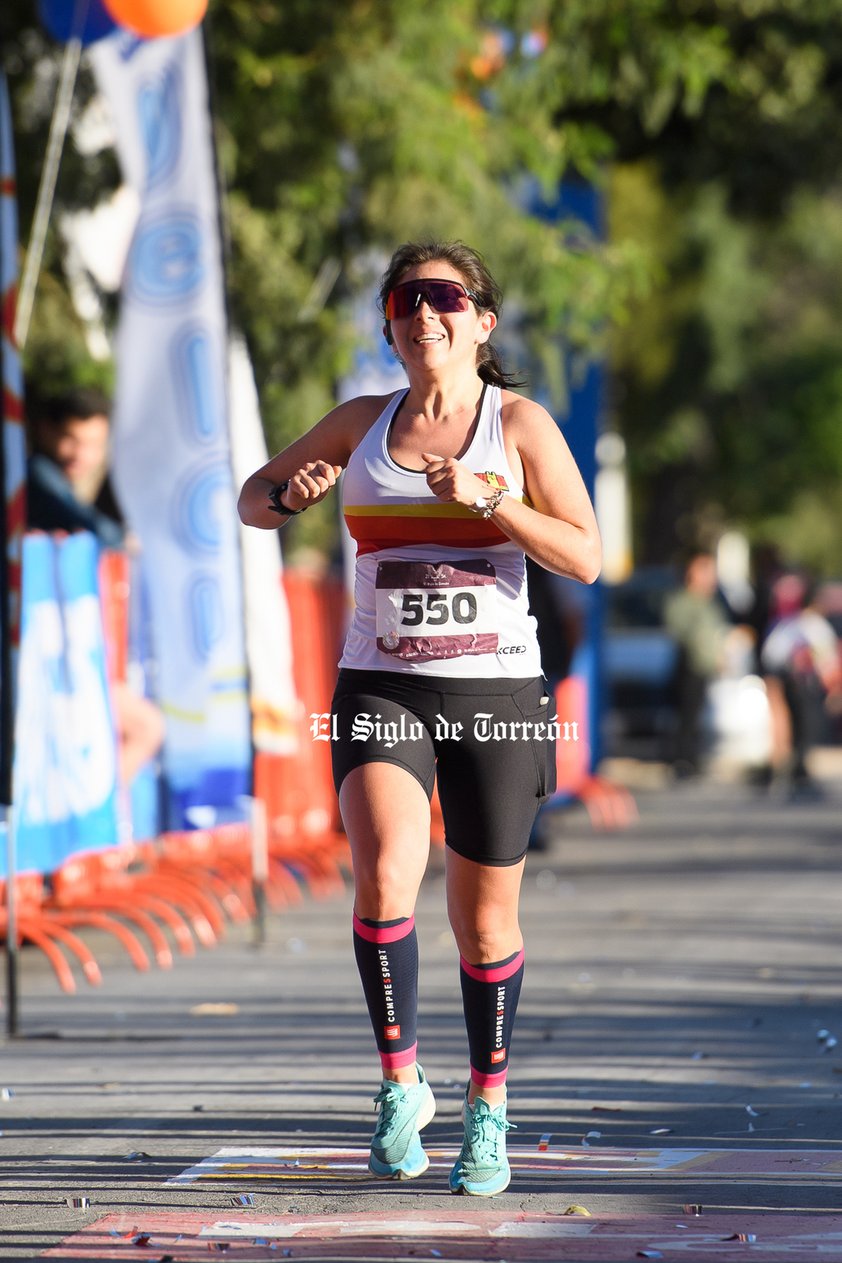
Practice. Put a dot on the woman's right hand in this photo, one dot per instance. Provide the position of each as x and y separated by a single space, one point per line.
310 484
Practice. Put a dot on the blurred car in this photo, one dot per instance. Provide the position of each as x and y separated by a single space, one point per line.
640 658
639 662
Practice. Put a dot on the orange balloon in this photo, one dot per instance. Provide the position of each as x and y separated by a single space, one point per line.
151 18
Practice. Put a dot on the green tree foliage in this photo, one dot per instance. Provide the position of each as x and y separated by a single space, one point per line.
56 353
721 123
731 392
352 127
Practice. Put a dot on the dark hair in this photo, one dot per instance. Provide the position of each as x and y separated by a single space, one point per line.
472 268
83 402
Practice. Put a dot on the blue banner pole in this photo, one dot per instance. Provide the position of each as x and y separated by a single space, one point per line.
582 203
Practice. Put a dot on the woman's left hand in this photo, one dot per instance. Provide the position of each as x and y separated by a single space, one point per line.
451 481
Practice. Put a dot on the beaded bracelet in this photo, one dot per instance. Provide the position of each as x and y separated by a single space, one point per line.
491 505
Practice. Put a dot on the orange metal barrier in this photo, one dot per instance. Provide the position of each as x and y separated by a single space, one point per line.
43 932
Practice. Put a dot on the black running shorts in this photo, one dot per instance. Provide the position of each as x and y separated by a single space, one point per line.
489 743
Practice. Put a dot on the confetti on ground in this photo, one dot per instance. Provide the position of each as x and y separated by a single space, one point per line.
188 1237
320 1164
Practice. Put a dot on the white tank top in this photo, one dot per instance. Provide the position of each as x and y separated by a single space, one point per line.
438 590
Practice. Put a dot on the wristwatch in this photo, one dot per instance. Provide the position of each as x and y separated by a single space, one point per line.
276 504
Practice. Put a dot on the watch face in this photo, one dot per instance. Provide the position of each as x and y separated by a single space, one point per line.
275 498
480 502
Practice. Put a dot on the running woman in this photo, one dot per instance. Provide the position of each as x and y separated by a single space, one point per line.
448 484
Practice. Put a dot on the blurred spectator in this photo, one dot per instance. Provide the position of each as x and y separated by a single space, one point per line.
767 569
139 724
800 661
696 619
68 488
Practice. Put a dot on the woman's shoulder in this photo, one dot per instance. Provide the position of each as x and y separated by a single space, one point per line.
360 413
521 414
534 434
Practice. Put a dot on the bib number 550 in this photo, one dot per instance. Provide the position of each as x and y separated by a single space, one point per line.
434 609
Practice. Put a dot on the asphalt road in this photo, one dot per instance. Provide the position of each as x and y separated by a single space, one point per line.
682 993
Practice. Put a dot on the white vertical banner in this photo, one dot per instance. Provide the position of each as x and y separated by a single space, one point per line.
172 459
274 707
376 370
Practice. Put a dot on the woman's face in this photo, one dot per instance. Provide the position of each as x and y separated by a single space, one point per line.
428 339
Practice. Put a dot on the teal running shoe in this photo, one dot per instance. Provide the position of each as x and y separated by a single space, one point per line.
396 1149
482 1168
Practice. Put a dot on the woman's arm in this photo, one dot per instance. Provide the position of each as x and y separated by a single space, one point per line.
557 529
311 464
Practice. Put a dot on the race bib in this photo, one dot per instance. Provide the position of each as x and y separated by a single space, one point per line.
426 611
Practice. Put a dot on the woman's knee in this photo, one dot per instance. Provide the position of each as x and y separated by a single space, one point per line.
482 907
482 940
384 887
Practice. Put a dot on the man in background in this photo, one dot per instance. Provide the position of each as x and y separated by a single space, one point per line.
68 488
802 669
696 619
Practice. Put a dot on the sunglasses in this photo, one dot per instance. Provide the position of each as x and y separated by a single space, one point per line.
442 296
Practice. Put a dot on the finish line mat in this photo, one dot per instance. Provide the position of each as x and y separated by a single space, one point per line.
466 1236
542 1162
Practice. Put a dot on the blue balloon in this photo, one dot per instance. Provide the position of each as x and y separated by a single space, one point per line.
89 19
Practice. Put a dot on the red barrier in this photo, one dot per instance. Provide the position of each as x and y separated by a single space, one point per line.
114 591
609 806
302 811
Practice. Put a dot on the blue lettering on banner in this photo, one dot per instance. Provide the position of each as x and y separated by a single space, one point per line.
201 504
173 337
129 44
197 372
166 265
206 614
159 113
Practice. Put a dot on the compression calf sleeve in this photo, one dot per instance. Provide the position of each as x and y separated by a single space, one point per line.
490 995
387 958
